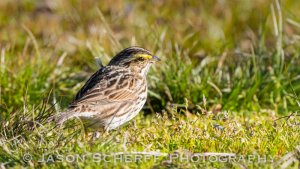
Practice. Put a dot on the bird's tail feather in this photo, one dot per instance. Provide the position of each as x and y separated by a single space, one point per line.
62 117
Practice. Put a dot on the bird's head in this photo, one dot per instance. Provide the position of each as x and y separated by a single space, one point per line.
136 58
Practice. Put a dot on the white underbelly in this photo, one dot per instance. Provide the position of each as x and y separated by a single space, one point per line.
91 120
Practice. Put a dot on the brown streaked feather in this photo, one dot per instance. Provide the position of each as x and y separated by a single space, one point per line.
123 95
108 93
93 80
101 98
100 81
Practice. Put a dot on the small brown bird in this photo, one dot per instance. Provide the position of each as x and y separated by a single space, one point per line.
115 93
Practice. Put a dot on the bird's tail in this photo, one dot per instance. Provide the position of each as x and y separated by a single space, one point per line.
62 117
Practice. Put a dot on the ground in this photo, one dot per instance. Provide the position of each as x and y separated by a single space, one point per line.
225 95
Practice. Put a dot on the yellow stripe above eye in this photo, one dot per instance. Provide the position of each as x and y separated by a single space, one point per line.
145 56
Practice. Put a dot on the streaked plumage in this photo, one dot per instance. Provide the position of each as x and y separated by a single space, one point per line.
115 93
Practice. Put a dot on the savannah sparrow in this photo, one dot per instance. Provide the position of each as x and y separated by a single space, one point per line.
115 93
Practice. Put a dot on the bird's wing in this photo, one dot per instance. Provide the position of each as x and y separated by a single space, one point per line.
104 89
93 80
104 98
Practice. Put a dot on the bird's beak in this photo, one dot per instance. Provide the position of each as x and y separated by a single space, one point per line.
155 58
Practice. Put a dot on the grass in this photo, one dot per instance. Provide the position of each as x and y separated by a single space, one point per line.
228 81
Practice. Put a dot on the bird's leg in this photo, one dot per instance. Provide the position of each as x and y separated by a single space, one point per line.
96 135
85 133
106 129
134 124
102 132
